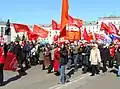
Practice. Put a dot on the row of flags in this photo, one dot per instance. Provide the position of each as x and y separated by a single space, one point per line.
32 35
67 20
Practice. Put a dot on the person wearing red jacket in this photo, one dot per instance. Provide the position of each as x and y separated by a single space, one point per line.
1 66
112 55
56 59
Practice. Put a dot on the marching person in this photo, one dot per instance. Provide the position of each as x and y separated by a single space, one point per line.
1 66
95 59
47 61
112 55
76 56
117 57
33 55
19 56
63 60
5 48
105 56
56 59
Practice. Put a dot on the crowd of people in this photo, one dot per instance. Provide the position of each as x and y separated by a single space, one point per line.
91 57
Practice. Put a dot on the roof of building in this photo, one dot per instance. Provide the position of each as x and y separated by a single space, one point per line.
109 17
90 23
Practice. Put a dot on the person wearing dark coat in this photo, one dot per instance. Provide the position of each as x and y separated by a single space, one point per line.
86 55
117 57
63 62
5 48
105 56
19 56
26 51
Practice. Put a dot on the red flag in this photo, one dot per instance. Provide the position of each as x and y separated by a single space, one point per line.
77 35
78 23
10 62
91 36
21 28
40 31
104 27
64 18
32 36
113 29
71 20
86 36
72 35
98 36
55 26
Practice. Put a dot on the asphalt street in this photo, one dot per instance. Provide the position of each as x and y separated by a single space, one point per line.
36 78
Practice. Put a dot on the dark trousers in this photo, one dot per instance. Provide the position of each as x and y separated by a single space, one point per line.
95 70
111 62
1 73
20 62
33 60
104 66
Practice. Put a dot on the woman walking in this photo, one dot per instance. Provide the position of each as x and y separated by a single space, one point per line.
95 59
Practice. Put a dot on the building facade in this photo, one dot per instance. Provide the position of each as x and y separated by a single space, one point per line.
93 26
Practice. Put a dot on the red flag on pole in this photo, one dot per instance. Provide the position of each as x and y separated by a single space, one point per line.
113 29
32 35
64 18
21 28
55 25
71 20
78 23
104 27
86 36
98 36
40 31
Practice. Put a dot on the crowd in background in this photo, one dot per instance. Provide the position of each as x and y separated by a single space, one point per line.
91 57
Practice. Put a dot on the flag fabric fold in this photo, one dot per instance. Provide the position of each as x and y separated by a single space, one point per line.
78 23
32 35
91 36
21 27
55 25
40 31
64 18
105 28
113 29
71 20
98 36
85 35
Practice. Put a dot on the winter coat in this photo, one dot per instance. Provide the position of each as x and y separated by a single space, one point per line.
18 52
95 57
117 57
63 56
105 54
56 59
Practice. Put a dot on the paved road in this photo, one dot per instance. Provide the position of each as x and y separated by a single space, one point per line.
39 79
36 78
